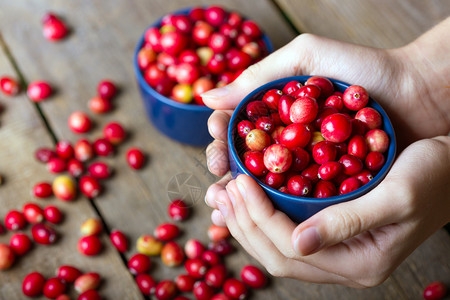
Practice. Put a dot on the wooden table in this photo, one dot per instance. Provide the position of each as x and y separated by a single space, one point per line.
101 46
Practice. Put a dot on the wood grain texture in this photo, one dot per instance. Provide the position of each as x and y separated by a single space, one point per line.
21 133
101 46
383 24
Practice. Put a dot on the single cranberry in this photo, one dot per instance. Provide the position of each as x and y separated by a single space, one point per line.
83 150
189 56
201 33
202 291
106 89
89 295
251 29
139 263
89 186
200 86
86 282
154 73
197 14
364 176
103 147
257 140
33 213
178 210
222 247
99 105
324 151
335 101
15 220
217 233
308 90
235 289
220 296
166 231
33 284
7 257
242 39
54 287
152 36
64 188
217 64
219 43
357 146
91 226
299 185
329 170
44 154
145 58
172 254
253 276
165 290
370 116
336 128
56 165
42 190
182 93
194 248
374 161
322 114
149 245
43 234
284 108
265 123
68 273
435 291
256 109
291 87
146 284
211 258
304 110
99 170
312 173
271 98
234 19
185 282
254 162
196 267
38 91
64 149
9 86
277 158
295 136
216 276
253 49
349 185
187 73
377 140
355 97
324 189
215 15
239 61
20 243
79 122
274 180
352 165
276 134
54 29
135 158
89 245
173 42
119 240
164 86
325 85
114 132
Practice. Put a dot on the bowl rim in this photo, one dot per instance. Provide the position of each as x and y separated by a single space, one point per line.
390 157
148 89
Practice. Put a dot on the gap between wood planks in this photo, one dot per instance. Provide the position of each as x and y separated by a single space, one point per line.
23 85
286 17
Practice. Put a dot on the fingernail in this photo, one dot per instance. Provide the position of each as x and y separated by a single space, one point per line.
223 209
241 189
231 196
308 241
216 93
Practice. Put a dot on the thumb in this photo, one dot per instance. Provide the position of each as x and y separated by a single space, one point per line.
339 222
281 63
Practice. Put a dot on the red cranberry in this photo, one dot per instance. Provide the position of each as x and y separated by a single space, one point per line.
106 89
299 185
304 110
38 91
194 248
99 105
103 147
435 291
89 295
377 140
251 29
352 165
7 257
324 151
295 135
15 220
218 233
166 231
312 173
256 109
217 64
235 289
139 263
329 170
200 86
308 90
9 86
64 149
277 158
33 213
44 154
357 146
335 101
152 37
271 98
185 282
216 276
276 134
202 291
322 114
87 281
79 122
154 74
370 116
222 247
114 132
254 162
173 42
33 284
145 57
364 176
211 258
274 180
220 296
234 19
99 170
178 210
201 32
300 159
253 277
265 123
324 189
146 284
172 254
52 214
257 140
54 29
219 43
374 161
291 87
89 186
215 15
239 61
135 158
196 267
43 234
83 150
75 167
89 245
349 185
355 97
20 243
54 287
165 290
119 240
68 273
336 128
325 85
56 165
197 14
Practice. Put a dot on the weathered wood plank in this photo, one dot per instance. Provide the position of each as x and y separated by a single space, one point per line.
21 133
383 24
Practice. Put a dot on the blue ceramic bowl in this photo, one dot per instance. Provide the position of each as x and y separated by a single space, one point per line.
301 208
185 123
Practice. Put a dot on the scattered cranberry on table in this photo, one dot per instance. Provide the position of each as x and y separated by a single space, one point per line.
38 91
435 291
54 29
9 86
292 141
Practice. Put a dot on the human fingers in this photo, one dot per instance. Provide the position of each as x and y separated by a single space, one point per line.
218 124
215 188
217 158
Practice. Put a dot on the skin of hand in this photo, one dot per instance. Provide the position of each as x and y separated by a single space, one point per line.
358 243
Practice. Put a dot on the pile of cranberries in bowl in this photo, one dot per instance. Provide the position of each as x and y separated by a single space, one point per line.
194 50
311 137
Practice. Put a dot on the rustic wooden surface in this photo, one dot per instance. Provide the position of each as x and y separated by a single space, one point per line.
101 46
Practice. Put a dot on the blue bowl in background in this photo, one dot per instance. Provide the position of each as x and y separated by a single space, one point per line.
184 123
301 208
